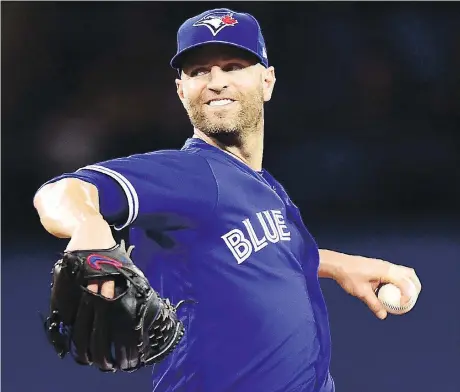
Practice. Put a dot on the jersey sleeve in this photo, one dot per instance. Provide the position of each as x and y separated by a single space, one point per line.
164 182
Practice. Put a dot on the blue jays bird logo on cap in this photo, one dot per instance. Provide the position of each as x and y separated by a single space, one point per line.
216 21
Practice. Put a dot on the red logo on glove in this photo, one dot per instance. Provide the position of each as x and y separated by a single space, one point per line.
95 261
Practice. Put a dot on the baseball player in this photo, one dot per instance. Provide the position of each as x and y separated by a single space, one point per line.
209 226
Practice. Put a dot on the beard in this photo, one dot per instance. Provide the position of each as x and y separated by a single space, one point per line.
228 125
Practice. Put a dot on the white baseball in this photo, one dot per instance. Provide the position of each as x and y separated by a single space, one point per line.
390 297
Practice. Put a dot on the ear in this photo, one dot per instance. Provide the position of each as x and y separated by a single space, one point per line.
179 88
269 80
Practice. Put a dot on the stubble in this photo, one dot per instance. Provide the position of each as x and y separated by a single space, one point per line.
232 125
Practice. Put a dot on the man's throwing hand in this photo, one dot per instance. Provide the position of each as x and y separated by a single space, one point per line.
361 276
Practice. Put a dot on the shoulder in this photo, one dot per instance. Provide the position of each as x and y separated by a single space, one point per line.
170 159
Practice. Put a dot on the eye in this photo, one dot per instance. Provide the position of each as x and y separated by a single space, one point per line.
198 72
232 67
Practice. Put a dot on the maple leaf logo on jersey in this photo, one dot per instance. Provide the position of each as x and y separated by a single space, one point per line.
216 21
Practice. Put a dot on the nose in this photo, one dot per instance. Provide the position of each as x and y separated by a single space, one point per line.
218 80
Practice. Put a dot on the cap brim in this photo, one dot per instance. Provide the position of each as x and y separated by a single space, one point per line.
176 61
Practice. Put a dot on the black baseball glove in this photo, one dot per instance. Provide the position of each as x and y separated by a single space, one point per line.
136 328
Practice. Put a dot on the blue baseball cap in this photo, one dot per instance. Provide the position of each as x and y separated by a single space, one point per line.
221 26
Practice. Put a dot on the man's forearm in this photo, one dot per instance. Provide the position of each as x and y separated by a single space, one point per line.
70 209
330 262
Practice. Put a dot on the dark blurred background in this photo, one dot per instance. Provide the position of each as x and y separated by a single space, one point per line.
363 130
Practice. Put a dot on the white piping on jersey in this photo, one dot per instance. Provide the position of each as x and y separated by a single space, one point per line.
130 192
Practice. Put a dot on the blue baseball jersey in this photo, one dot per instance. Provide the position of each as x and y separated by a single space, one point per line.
208 228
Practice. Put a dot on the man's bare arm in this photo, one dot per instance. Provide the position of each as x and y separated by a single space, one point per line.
361 276
69 208
329 263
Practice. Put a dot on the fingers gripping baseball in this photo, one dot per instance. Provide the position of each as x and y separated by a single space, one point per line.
405 279
369 297
364 277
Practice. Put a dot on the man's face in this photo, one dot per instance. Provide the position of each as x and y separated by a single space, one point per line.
223 90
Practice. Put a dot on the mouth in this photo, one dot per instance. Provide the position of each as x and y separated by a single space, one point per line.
220 102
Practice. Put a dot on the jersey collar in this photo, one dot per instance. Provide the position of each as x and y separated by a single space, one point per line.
196 143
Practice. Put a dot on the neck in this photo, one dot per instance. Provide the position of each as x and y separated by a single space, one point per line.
248 150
